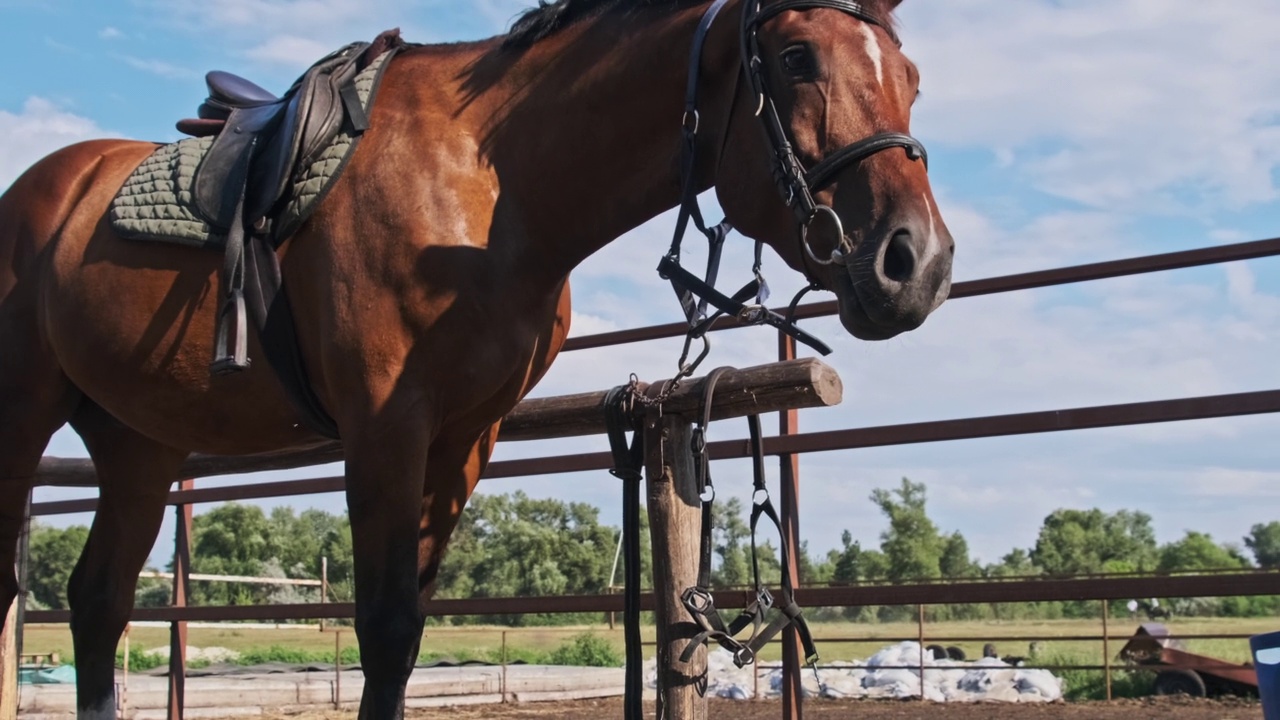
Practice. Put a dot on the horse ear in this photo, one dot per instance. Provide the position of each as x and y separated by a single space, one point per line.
892 4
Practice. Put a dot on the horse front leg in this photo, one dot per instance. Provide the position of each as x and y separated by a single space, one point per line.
385 465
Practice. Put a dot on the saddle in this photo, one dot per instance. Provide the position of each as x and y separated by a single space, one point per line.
260 140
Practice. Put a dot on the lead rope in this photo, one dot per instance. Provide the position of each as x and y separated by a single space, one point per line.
628 462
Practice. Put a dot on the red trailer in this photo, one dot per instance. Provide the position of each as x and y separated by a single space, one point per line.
1179 671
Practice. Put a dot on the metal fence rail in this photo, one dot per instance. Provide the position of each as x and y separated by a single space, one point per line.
74 472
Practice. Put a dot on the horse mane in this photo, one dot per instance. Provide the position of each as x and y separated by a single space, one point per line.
548 18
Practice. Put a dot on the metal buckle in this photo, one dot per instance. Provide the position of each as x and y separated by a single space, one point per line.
697 600
698 441
752 314
684 121
764 600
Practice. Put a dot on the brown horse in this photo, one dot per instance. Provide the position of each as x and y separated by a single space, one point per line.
430 289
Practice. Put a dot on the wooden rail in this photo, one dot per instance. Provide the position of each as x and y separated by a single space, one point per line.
764 388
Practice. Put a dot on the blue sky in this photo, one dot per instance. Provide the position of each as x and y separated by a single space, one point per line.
1058 132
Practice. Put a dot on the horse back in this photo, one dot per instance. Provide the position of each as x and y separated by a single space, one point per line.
68 183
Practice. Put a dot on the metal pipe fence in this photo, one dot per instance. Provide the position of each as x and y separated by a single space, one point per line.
787 446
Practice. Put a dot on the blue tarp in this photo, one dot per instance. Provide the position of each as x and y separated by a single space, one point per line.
47 675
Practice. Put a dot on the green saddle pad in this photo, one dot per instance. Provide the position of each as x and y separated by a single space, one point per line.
157 203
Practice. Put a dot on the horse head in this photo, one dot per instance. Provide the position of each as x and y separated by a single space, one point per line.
829 85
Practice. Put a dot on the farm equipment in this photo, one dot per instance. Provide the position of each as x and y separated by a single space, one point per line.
1178 671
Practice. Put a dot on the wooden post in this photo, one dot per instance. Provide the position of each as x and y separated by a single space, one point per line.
181 590
324 585
675 518
920 630
11 636
1106 647
792 651
9 665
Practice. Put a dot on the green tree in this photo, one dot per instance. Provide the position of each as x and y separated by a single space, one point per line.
912 544
1016 563
230 539
1073 542
1264 542
515 545
955 561
54 553
1198 551
731 543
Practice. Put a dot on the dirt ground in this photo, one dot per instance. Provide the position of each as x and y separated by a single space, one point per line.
1180 708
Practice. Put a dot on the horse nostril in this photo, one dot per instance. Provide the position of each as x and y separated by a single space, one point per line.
899 258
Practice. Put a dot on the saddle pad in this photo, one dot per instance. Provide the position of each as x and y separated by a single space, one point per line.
156 202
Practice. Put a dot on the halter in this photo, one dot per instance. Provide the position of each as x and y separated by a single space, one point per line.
796 185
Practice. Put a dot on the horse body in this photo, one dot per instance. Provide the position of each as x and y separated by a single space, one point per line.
430 292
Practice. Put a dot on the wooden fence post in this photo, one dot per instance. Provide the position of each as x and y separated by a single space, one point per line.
675 519
181 590
9 664
789 484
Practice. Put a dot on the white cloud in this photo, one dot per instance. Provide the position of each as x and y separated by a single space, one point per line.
110 33
160 68
291 34
1127 105
37 130
288 50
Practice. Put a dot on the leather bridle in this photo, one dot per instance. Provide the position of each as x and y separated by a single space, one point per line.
796 184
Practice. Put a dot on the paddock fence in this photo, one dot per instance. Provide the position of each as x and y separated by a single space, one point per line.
788 445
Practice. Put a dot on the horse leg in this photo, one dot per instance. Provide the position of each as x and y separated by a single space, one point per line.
35 400
453 471
384 475
134 474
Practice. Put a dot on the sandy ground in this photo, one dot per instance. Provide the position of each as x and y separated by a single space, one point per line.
1144 709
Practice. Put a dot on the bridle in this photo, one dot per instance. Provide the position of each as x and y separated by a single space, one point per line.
797 187
796 184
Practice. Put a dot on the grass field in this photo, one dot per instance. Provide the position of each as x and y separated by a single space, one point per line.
833 638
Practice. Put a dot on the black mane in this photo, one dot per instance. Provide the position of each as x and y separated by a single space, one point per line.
548 18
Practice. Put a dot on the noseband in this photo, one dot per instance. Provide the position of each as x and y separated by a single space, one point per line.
796 184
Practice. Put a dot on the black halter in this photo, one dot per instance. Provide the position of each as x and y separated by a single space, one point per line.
796 184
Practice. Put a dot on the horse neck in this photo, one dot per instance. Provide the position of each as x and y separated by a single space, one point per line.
589 144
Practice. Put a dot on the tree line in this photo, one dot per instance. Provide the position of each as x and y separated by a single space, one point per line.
512 545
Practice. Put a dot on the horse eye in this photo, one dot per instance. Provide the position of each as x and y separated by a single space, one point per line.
798 61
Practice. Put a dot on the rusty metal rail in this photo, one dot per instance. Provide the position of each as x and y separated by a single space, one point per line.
1218 584
988 286
73 472
1158 411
